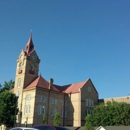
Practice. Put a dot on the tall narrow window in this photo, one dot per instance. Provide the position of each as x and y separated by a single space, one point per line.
55 110
28 98
61 113
86 102
26 109
18 94
90 103
52 111
89 112
55 101
52 100
20 67
40 98
43 110
32 67
65 103
39 110
62 102
86 112
65 113
19 82
44 99
29 107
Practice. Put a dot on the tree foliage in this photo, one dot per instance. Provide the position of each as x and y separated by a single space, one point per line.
8 108
44 119
109 114
7 86
56 121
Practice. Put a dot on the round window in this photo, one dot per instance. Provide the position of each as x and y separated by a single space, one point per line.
89 89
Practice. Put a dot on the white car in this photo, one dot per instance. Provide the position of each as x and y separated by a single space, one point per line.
23 128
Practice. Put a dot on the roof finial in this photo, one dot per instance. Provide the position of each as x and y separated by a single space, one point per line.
31 33
40 73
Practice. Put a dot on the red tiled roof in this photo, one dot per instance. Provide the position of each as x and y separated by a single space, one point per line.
74 88
40 82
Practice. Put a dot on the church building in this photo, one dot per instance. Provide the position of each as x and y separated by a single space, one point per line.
38 97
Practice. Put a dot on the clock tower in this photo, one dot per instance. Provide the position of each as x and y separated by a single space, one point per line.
26 71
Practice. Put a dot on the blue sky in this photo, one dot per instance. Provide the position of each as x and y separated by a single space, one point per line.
75 40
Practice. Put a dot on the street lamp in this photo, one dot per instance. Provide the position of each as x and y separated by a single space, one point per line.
25 123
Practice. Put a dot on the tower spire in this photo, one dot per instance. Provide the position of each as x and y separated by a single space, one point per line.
29 45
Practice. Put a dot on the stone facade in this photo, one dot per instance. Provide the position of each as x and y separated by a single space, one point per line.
125 99
38 97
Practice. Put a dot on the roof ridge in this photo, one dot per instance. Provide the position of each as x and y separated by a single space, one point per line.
38 80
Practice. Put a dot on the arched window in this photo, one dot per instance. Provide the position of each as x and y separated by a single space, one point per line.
28 98
39 110
32 67
19 82
44 99
52 111
18 94
27 109
20 67
52 100
43 110
55 101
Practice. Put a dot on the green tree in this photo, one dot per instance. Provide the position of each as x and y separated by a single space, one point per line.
7 86
56 121
109 114
44 119
0 87
88 125
8 108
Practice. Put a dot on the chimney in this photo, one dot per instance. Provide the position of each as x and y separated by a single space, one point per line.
51 84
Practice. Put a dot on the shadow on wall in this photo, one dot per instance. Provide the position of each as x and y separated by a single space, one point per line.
70 112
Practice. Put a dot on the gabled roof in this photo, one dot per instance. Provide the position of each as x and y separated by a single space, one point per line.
40 82
74 88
